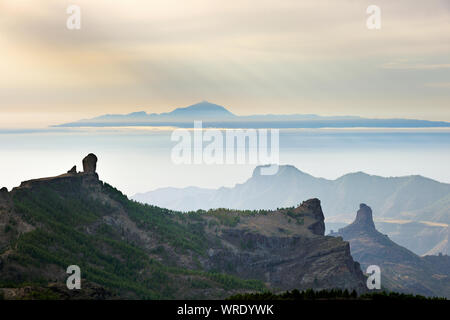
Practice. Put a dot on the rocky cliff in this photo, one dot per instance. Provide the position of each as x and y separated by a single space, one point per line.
286 249
141 251
401 269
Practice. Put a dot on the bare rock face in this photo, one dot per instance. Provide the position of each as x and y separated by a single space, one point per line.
313 205
299 259
90 163
73 170
364 217
4 198
402 270
313 209
363 223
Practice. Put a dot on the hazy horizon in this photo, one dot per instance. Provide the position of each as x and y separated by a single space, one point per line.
256 57
26 128
139 160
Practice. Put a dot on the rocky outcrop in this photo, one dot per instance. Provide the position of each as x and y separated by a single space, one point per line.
4 198
90 163
90 178
401 269
73 170
364 218
363 223
3 193
284 249
287 249
287 262
313 208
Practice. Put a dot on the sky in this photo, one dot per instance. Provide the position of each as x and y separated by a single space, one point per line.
251 56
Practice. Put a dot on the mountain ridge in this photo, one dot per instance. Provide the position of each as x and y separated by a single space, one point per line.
401 269
410 198
134 251
291 172
214 115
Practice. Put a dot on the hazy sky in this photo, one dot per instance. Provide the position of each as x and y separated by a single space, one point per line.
252 56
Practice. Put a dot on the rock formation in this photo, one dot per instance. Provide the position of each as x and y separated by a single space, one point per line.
363 222
364 217
313 206
401 269
287 250
90 178
4 198
73 170
90 163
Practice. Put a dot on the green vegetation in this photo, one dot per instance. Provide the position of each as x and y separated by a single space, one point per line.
43 294
225 217
75 227
231 217
163 222
335 294
298 217
396 296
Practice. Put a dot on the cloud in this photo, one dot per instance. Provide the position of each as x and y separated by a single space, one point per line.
438 85
253 55
416 66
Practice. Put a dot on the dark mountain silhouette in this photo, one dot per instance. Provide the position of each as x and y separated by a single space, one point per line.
200 111
401 269
217 116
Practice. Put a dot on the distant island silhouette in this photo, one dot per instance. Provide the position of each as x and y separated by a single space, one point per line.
216 116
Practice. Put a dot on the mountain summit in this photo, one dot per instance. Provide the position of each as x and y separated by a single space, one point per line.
201 110
401 269
364 220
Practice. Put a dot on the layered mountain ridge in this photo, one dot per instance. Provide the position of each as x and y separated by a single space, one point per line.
393 197
140 251
404 205
401 269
